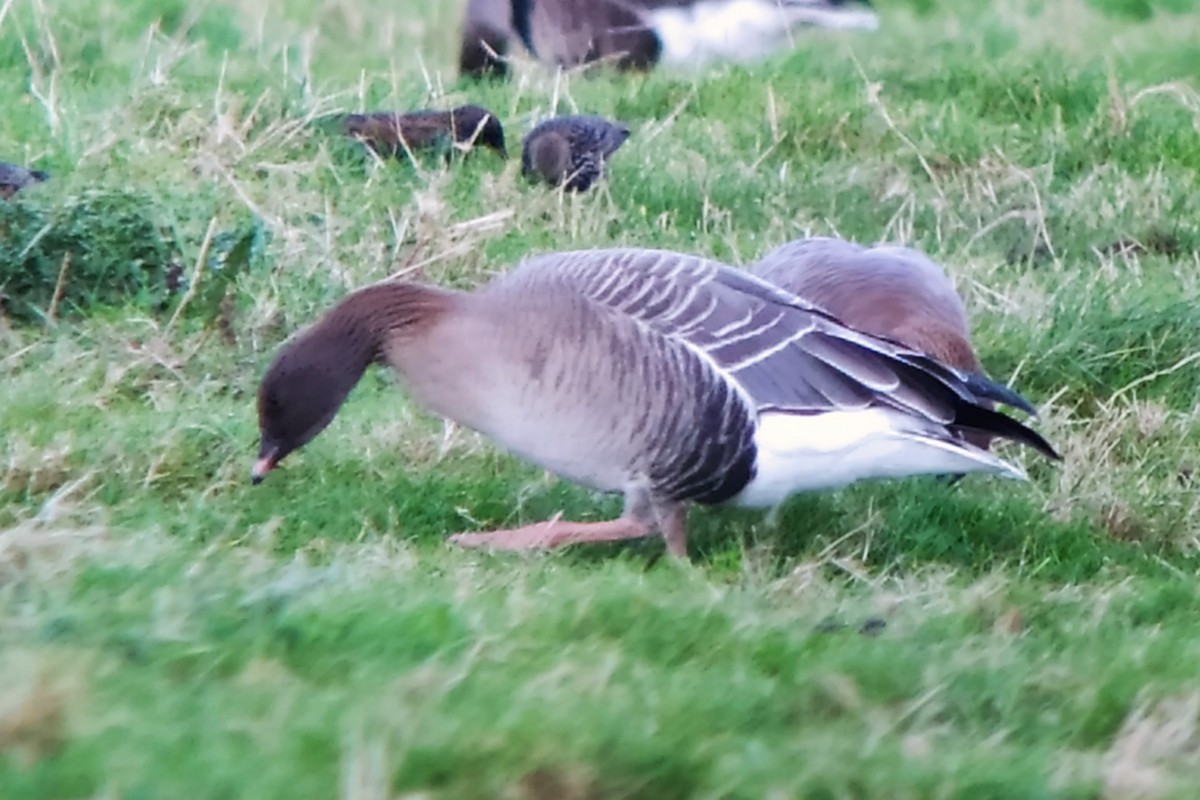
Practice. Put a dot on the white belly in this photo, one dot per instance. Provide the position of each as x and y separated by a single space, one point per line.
742 30
824 451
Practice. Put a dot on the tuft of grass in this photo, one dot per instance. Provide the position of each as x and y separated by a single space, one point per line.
101 248
172 631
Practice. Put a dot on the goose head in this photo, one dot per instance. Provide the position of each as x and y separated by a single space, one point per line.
303 390
313 373
482 51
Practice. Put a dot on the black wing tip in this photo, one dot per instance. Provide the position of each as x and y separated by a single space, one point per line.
1038 442
971 411
971 417
989 389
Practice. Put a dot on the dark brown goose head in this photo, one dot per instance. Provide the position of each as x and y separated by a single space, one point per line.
483 43
306 385
481 53
312 374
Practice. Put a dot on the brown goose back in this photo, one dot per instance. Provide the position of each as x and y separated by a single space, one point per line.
573 32
888 291
639 34
894 292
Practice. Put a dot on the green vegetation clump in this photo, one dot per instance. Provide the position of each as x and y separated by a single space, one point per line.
102 248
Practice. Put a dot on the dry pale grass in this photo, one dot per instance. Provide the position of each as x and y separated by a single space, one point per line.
42 691
1158 739
1130 468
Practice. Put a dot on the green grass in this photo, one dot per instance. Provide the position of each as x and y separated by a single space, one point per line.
166 630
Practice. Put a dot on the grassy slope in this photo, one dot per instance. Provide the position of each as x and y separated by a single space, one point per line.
166 631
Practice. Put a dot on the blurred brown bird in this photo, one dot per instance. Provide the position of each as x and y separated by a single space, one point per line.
571 150
388 132
14 178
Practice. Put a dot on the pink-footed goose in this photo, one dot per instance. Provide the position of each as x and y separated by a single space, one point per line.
886 290
640 34
665 377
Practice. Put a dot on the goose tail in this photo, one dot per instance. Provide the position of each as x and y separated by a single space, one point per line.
970 417
971 412
969 457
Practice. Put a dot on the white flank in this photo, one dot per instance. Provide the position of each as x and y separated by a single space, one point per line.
823 451
743 30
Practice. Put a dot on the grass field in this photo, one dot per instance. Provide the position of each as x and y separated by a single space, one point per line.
168 631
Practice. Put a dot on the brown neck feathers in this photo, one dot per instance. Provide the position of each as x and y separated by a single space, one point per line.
368 319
